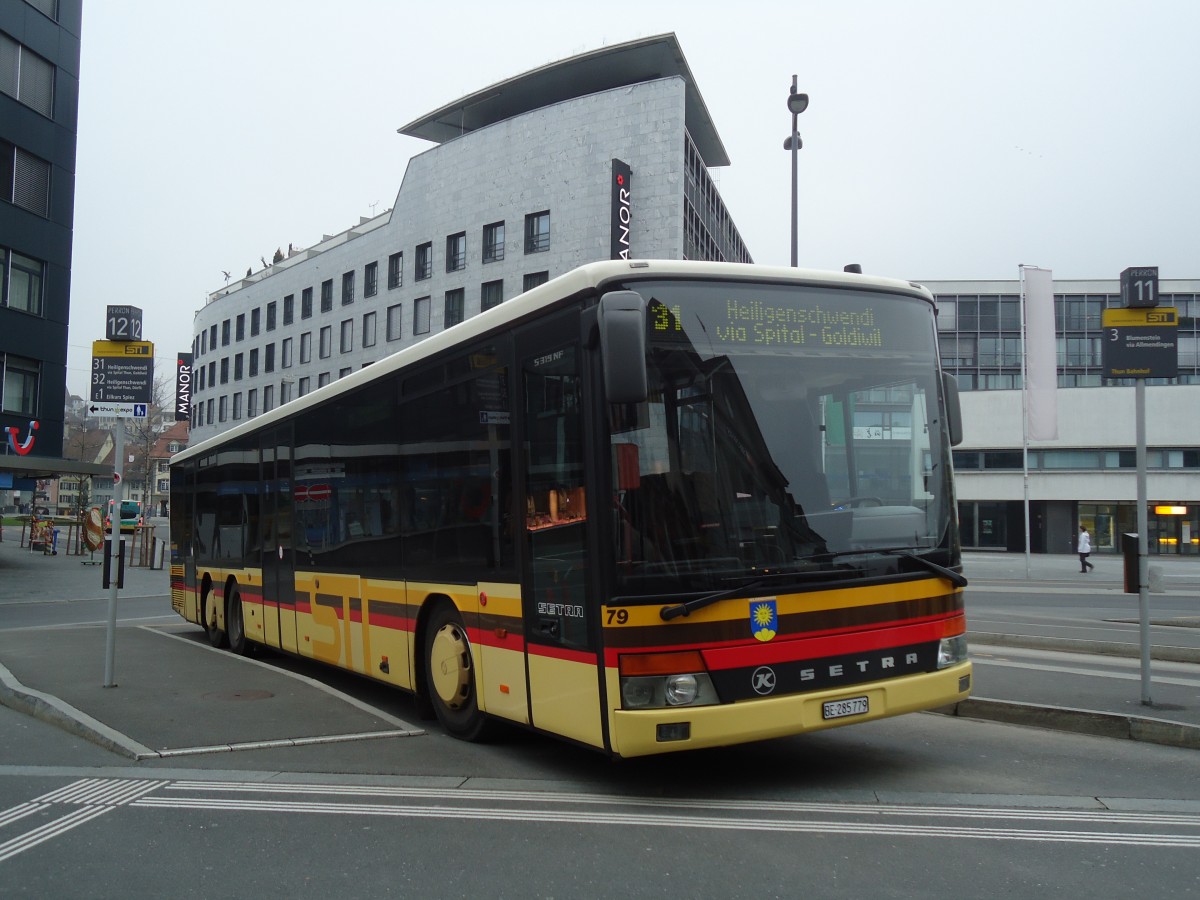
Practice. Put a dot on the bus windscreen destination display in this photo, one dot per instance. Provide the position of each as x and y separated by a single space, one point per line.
830 321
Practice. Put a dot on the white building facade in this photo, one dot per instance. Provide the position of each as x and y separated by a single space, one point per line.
1088 474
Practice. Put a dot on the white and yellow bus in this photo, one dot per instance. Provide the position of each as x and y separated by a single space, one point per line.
647 506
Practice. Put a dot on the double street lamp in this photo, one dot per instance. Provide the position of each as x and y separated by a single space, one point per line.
797 103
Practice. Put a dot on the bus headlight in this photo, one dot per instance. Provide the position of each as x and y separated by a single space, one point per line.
660 680
660 691
637 693
952 651
681 690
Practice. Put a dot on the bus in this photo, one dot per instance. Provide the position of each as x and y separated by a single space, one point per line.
647 506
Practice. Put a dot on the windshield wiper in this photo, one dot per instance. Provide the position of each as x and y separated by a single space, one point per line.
667 613
955 578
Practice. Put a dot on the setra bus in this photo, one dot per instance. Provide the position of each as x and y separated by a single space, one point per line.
646 506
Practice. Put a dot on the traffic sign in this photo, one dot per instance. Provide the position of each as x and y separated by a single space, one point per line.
122 372
120 410
1140 342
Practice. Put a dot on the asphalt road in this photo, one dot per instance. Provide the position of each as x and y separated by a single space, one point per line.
926 805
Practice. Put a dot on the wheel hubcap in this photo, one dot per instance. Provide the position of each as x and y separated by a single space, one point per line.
450 665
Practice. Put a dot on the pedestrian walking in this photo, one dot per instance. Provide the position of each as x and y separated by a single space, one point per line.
1084 548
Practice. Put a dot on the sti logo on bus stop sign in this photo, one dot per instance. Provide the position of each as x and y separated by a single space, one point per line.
1140 342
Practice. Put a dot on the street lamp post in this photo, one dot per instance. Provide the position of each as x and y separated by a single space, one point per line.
797 103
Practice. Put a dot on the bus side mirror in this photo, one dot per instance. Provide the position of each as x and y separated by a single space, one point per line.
622 322
953 408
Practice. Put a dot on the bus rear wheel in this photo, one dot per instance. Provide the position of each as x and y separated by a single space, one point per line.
450 675
208 619
235 624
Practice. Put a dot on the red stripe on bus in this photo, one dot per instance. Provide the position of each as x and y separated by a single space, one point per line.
815 647
562 653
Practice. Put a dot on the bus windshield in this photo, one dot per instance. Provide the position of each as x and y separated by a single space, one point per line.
788 430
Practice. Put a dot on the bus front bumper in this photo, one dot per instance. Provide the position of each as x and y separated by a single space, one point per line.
644 732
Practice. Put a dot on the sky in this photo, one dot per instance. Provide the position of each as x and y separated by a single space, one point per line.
944 139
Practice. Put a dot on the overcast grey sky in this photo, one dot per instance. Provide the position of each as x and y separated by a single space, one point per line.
944 138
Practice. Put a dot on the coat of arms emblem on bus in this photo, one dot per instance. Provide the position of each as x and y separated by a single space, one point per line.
764 620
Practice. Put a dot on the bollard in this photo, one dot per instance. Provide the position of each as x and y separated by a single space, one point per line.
1154 580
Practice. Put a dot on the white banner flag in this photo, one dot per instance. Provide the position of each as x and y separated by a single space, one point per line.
1041 362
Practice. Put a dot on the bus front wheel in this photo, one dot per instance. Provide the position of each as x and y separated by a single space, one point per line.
450 675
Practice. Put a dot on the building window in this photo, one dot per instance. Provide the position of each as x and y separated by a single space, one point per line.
237 407
20 377
305 347
285 354
24 179
323 379
393 322
493 242
26 77
395 270
537 232
456 252
239 331
253 362
347 288
212 338
252 403
22 282
269 358
285 391
533 279
342 373
424 261
225 370
238 367
368 330
289 312
303 387
255 321
223 407
371 279
225 333
347 336
212 376
491 293
306 303
454 307
421 315
326 342
326 296
268 397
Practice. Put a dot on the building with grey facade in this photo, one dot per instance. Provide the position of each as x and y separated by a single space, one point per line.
517 188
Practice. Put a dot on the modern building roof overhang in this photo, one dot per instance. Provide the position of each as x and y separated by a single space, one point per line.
50 466
620 65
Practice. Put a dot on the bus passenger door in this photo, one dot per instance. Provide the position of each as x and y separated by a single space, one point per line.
279 585
561 654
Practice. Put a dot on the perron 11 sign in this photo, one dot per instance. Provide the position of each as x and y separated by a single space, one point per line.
1140 342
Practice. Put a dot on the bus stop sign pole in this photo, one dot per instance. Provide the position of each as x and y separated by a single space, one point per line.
114 552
